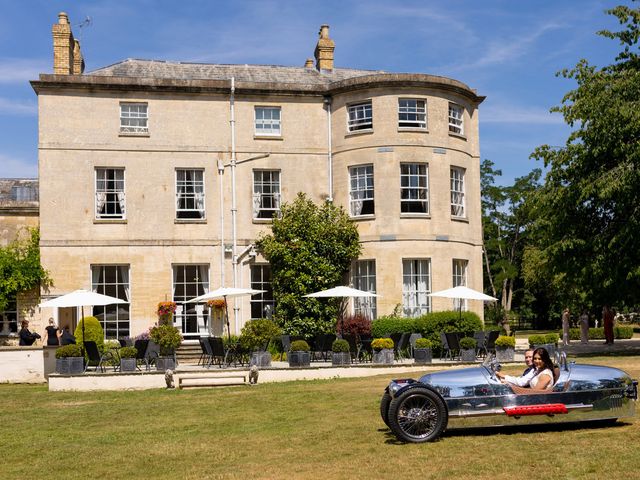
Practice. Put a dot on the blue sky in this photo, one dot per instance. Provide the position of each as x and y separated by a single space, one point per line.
508 50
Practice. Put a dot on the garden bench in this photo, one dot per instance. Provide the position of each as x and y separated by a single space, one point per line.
213 380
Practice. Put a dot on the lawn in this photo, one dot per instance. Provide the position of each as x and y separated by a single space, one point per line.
316 429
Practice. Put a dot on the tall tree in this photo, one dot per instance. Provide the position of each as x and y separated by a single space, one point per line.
20 268
310 248
588 211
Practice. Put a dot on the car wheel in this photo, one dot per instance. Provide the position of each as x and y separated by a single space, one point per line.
418 415
385 401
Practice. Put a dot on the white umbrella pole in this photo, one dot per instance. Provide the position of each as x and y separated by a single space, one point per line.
82 320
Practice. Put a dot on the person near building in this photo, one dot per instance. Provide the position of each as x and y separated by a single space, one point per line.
65 337
51 334
566 324
26 336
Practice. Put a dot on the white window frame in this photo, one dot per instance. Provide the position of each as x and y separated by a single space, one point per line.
361 191
458 196
456 119
120 288
360 116
110 198
262 279
190 317
190 194
416 286
414 188
459 270
363 277
266 194
134 117
267 125
412 113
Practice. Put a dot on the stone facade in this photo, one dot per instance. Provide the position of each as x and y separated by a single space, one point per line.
292 127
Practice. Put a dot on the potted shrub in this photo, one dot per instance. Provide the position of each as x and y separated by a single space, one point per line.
422 351
505 348
299 356
468 349
382 350
168 339
340 354
255 337
128 359
69 360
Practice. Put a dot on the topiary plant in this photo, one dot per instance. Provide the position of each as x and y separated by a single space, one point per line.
506 341
424 343
340 345
468 343
69 351
381 343
537 340
128 352
93 332
167 337
256 333
300 346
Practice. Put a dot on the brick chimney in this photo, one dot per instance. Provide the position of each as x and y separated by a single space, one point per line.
324 51
67 59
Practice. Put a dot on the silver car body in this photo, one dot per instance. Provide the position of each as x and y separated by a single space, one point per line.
476 398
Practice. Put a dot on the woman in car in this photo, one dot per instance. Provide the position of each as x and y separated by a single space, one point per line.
543 378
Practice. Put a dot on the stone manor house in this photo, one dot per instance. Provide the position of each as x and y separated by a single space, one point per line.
156 177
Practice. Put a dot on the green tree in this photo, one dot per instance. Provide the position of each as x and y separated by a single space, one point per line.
506 221
588 216
310 248
20 268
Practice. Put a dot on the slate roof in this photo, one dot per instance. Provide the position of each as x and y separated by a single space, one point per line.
158 69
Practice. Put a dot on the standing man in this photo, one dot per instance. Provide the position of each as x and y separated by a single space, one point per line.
566 324
607 323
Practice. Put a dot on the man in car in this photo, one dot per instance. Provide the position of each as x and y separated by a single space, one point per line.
524 379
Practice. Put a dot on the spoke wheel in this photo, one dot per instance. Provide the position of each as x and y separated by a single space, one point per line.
418 415
385 401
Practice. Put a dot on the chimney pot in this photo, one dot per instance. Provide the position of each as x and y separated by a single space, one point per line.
308 63
63 18
324 50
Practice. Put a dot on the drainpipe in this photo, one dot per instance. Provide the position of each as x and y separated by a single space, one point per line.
327 102
234 207
220 175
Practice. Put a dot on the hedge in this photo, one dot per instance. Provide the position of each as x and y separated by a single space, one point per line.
621 333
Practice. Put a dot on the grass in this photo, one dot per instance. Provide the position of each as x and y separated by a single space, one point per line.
324 429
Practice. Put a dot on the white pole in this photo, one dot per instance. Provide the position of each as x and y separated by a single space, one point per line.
220 175
327 101
234 208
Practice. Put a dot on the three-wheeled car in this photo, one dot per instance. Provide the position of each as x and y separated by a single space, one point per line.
421 410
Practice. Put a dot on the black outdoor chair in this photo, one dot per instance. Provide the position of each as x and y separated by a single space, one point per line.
480 338
141 353
365 352
205 347
412 342
94 355
218 353
353 346
327 345
400 348
445 346
490 342
453 343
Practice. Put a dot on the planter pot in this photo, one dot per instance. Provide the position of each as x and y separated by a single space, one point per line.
299 359
468 355
505 354
70 365
384 356
422 355
127 364
549 347
340 358
165 363
261 359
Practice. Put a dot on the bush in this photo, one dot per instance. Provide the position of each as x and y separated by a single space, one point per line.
387 325
623 332
537 339
300 346
69 351
506 341
256 333
128 352
431 324
167 337
552 338
357 324
468 343
424 343
92 332
340 345
382 343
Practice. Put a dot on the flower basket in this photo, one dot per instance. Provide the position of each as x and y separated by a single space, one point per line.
165 312
216 304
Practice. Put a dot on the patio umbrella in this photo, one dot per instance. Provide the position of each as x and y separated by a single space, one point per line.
224 293
80 298
463 293
344 293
